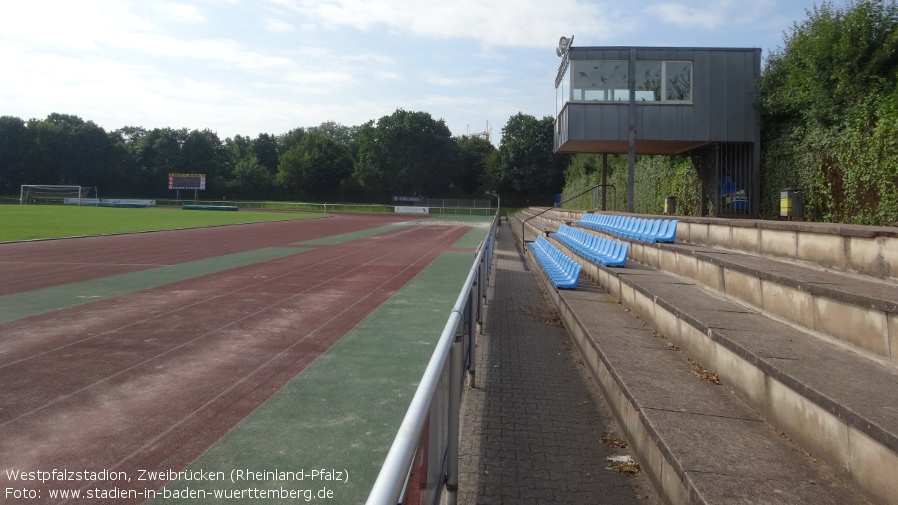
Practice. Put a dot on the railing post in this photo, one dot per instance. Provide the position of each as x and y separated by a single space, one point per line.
475 300
455 385
473 307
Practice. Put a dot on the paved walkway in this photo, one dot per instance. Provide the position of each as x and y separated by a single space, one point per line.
535 428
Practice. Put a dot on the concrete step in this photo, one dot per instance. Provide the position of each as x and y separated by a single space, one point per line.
865 250
835 403
696 441
859 311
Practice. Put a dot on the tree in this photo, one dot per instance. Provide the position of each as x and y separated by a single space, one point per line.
65 149
290 139
473 155
50 150
830 60
14 145
336 132
98 159
407 154
155 156
526 164
370 174
203 153
250 180
266 150
829 109
315 168
128 135
238 147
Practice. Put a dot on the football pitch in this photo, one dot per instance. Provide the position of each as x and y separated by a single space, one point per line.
30 222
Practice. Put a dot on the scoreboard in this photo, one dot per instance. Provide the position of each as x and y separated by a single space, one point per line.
187 181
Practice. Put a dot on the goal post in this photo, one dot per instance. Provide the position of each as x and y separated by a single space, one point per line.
56 193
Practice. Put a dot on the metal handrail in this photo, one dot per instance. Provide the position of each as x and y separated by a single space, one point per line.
392 479
578 195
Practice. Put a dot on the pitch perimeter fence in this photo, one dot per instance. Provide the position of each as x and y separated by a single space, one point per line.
424 455
432 206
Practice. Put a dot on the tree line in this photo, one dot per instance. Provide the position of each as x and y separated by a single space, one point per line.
829 113
402 154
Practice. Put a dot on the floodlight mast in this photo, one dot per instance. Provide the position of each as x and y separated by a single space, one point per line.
484 134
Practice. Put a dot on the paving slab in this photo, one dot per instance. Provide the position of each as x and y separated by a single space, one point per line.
532 427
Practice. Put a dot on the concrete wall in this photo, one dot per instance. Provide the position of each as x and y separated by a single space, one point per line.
866 250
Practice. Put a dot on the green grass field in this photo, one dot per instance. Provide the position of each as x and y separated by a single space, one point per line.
27 222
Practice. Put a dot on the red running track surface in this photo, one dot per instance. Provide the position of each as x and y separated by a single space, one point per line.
153 378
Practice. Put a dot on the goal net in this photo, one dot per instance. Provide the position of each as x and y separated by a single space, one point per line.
43 193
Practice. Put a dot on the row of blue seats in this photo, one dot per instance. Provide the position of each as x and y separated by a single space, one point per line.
604 251
562 270
632 228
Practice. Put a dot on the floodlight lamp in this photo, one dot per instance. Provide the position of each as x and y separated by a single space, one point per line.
564 44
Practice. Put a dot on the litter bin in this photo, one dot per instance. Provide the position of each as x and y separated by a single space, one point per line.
670 205
791 204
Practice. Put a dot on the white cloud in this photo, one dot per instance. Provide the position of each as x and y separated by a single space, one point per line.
73 25
687 17
459 81
713 14
317 82
384 75
181 12
510 23
278 26
449 101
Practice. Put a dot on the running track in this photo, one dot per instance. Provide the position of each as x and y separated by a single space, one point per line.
153 377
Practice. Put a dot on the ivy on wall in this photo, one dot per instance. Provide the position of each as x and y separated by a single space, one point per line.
656 177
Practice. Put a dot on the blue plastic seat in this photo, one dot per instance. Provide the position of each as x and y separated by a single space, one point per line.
638 229
650 231
605 247
611 224
629 225
563 272
668 234
619 257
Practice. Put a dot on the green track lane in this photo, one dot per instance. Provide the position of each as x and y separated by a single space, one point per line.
342 412
29 303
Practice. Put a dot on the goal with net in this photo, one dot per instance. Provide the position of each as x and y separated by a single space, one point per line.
50 193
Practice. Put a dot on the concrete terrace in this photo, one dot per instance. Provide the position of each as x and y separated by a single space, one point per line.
749 361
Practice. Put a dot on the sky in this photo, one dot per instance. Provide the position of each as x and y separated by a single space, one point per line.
244 67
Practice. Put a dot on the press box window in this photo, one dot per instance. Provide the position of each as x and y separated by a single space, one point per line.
607 81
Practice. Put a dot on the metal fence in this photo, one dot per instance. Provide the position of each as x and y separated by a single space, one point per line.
439 207
424 455
288 206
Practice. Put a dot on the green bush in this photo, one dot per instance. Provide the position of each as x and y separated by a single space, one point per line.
655 178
